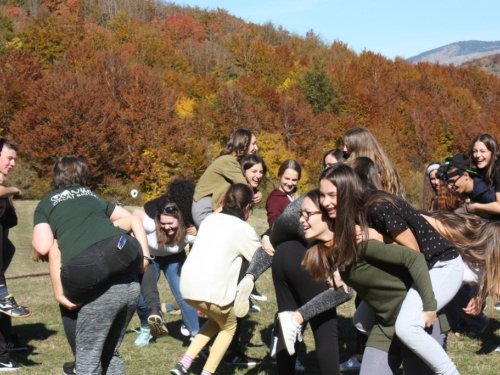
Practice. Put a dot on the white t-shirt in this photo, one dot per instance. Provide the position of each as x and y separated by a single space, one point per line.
150 228
472 274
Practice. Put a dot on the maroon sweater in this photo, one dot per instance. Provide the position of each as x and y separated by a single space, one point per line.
275 205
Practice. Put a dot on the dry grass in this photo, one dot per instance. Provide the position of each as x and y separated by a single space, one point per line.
48 349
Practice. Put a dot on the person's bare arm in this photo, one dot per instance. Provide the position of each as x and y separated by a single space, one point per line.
10 191
405 238
43 238
119 213
485 208
55 278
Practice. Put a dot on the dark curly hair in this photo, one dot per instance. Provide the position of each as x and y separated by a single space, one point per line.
180 192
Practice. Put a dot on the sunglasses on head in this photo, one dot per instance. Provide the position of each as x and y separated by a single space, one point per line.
166 210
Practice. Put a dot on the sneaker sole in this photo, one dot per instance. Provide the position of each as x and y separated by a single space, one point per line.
290 350
242 301
258 298
175 372
16 316
157 326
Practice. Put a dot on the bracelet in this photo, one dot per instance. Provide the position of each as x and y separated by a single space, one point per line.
149 259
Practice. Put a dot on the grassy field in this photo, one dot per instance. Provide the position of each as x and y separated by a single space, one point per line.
48 350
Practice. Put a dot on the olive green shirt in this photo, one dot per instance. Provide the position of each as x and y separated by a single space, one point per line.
78 219
382 279
217 178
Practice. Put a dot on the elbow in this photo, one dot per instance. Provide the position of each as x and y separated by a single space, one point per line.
41 247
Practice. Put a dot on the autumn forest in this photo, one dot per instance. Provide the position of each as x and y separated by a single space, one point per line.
147 91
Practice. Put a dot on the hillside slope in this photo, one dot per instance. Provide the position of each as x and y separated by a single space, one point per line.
458 53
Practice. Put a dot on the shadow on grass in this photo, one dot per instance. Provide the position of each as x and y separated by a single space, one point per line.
489 340
31 333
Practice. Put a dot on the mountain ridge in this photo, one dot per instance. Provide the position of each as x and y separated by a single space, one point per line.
458 53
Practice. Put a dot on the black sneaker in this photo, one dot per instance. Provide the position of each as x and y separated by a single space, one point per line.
178 370
15 346
240 360
69 368
10 307
157 324
9 366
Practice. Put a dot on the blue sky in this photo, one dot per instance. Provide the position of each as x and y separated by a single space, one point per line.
390 27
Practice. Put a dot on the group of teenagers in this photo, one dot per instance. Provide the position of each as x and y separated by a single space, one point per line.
354 233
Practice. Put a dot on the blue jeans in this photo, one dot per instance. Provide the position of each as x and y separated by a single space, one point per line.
171 266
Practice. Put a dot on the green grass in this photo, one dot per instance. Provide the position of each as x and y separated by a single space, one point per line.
48 349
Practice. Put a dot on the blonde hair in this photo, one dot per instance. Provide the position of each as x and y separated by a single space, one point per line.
479 244
361 142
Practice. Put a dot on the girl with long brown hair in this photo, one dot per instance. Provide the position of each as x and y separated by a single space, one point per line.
224 171
342 195
361 142
484 156
431 186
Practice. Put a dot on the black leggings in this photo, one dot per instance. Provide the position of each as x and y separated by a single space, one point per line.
294 287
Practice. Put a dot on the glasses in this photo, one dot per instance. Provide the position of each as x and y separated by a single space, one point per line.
452 183
306 215
166 210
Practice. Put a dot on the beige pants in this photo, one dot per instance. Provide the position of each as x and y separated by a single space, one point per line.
219 319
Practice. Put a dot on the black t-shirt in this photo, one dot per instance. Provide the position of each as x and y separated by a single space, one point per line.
385 218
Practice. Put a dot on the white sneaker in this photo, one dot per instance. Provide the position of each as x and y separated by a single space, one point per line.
254 308
290 330
242 300
258 297
274 344
352 364
298 366
185 331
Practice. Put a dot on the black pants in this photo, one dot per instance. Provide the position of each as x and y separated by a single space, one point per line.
294 287
82 276
7 250
149 289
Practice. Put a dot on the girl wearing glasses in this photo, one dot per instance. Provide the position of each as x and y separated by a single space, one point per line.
342 196
168 233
